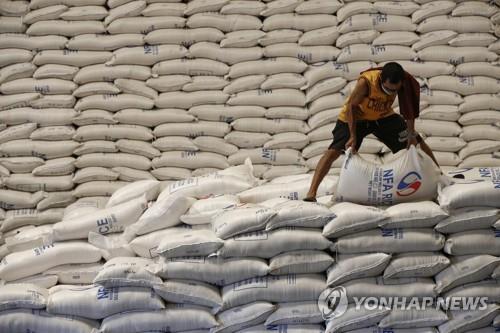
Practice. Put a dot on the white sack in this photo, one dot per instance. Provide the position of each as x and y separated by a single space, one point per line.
213 270
278 288
242 219
479 241
465 269
391 241
23 296
423 214
180 317
137 189
202 210
190 292
40 321
468 218
29 262
109 220
470 193
268 244
350 218
127 271
96 302
416 264
75 273
412 175
162 214
353 266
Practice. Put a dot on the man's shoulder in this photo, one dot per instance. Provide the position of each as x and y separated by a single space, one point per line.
370 74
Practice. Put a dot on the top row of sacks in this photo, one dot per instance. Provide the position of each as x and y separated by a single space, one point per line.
419 10
242 15
231 23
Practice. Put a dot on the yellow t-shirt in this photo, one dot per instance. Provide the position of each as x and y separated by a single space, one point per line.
377 104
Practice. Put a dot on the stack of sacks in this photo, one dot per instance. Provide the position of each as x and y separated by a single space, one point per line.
419 249
473 246
226 85
128 297
386 253
25 308
124 208
36 144
242 260
36 116
34 242
114 150
306 31
143 234
107 293
480 131
209 249
291 244
199 244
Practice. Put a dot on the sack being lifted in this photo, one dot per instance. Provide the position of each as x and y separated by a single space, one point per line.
410 176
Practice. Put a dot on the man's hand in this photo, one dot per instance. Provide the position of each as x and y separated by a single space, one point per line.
412 140
412 134
351 144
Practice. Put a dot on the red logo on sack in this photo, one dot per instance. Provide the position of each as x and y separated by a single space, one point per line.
409 184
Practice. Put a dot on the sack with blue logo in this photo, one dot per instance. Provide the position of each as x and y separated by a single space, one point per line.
477 173
410 176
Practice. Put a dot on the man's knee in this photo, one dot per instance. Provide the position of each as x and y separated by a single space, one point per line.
331 154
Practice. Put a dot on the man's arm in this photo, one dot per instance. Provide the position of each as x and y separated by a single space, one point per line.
412 135
409 108
358 94
410 123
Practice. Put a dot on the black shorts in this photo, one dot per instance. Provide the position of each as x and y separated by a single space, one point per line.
391 130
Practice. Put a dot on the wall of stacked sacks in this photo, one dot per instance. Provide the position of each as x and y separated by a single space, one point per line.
95 94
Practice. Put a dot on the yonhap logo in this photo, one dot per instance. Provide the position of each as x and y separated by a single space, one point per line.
333 302
409 184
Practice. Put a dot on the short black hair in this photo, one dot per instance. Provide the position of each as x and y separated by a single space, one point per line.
393 72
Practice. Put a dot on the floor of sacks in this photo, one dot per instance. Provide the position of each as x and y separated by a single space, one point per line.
246 260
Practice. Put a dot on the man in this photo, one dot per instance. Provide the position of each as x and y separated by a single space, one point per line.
368 110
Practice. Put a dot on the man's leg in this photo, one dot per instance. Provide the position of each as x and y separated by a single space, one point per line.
392 131
340 137
322 169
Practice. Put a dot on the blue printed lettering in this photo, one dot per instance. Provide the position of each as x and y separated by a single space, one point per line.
103 226
387 232
485 172
102 293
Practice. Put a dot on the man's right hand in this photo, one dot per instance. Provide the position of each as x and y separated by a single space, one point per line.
351 144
